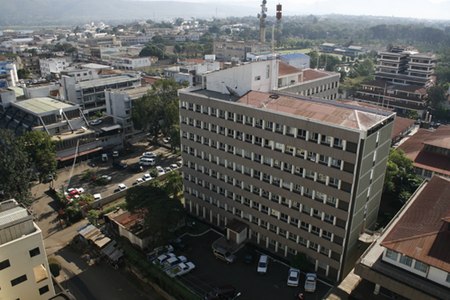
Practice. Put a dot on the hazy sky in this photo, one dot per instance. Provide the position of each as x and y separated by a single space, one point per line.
423 9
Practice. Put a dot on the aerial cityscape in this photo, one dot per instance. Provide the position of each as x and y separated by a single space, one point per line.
219 150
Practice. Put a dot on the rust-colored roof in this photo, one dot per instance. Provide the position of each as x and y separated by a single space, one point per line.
310 74
331 112
149 80
421 231
128 219
286 69
193 61
413 148
400 126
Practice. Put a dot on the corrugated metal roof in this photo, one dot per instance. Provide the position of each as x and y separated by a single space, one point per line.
38 106
331 112
12 215
106 81
422 232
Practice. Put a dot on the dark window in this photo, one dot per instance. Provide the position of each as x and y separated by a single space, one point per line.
351 147
18 280
34 252
4 264
43 290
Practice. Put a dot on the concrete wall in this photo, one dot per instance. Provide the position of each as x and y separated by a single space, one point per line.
17 252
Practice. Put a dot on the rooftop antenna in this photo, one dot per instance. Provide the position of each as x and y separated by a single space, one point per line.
279 15
262 22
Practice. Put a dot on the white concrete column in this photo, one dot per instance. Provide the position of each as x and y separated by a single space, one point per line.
376 290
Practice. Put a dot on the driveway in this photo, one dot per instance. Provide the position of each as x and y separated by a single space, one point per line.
211 272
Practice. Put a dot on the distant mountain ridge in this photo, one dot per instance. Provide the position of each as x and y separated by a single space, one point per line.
51 12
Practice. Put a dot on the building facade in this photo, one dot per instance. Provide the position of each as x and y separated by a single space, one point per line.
410 261
24 268
52 66
305 175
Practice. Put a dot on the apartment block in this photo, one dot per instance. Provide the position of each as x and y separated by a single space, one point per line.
402 77
24 270
305 175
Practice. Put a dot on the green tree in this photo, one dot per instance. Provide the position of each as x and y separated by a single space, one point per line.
174 183
400 180
152 50
15 174
157 111
364 68
41 152
163 214
436 97
23 73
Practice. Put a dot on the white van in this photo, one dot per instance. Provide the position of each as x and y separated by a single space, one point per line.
224 255
147 161
262 264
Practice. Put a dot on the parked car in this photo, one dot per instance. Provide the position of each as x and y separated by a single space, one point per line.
149 154
97 197
167 169
162 258
310 282
138 181
180 269
173 261
121 186
262 264
293 277
227 292
166 140
96 122
147 177
174 166
160 170
223 254
147 161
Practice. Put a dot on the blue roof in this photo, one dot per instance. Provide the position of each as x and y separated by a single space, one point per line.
293 56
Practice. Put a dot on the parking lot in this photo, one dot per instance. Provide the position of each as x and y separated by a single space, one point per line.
126 176
211 272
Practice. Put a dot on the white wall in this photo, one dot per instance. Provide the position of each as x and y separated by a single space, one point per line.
243 78
438 276
17 251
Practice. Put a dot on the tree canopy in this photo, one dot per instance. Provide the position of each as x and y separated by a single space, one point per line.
15 173
41 152
400 180
163 213
157 111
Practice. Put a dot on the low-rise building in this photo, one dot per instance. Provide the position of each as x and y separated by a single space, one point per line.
51 66
430 151
25 273
411 258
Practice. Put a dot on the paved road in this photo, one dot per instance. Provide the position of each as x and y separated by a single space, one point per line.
88 282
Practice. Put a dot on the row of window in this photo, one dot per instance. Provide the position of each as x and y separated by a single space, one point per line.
311 136
24 278
406 260
291 236
274 180
6 264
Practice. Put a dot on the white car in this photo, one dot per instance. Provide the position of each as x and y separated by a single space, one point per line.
293 277
147 177
149 154
262 264
95 122
160 170
139 180
180 269
310 282
97 197
173 261
162 258
174 166
147 161
80 190
106 177
122 186
168 169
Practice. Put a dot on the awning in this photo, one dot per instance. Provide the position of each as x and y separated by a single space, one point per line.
79 154
111 128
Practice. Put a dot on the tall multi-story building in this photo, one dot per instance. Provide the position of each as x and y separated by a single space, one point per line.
24 270
305 175
402 77
54 65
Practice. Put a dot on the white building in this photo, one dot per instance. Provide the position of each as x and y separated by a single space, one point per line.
52 65
23 262
129 63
